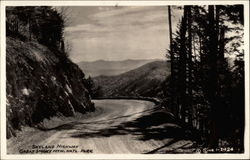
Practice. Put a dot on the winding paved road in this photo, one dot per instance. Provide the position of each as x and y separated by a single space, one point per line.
108 130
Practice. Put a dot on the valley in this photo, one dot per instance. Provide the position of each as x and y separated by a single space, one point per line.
144 81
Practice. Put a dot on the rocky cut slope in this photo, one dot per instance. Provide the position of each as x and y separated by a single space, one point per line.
40 84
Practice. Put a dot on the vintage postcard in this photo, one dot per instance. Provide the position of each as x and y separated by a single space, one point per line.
124 79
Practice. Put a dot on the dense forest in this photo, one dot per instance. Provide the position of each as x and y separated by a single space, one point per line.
206 87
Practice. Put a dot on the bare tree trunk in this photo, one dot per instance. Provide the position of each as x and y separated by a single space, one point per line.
172 64
171 40
213 78
190 65
183 65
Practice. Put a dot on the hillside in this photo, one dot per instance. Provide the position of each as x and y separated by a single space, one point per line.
41 81
41 84
110 68
143 81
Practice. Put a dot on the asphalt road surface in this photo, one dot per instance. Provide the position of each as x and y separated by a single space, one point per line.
116 127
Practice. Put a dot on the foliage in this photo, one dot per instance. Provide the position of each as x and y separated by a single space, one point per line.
207 91
95 90
41 23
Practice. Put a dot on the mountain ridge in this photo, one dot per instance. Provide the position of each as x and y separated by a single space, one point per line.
144 81
105 67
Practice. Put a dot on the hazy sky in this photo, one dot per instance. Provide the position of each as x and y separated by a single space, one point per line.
118 33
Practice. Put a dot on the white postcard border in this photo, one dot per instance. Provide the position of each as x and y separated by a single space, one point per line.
4 154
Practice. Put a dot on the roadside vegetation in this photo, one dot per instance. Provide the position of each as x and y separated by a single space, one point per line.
42 81
206 86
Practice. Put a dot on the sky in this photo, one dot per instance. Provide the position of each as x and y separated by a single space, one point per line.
118 32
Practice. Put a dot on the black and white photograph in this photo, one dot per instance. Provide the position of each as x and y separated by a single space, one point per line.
113 78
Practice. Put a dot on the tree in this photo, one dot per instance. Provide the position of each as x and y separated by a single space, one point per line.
204 94
172 79
190 63
183 65
95 91
44 23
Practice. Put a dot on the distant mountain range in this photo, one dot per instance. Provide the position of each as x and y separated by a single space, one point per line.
108 68
144 81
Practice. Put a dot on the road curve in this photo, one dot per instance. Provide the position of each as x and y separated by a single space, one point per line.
106 131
